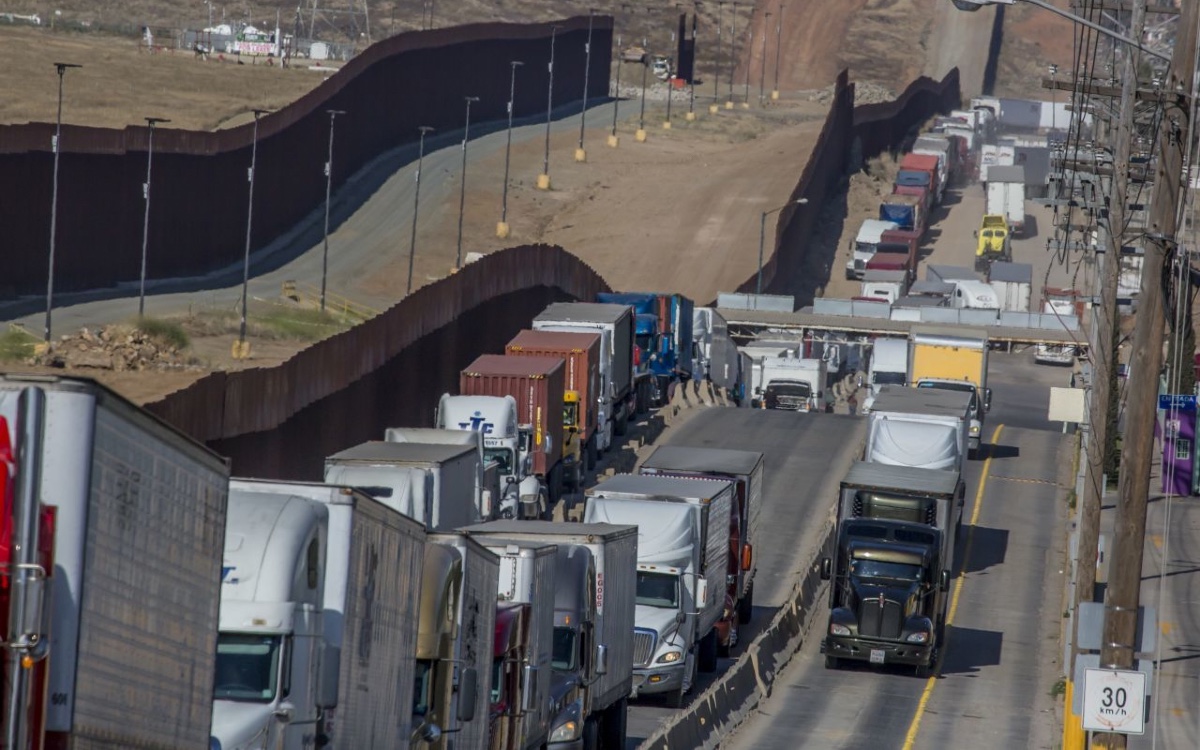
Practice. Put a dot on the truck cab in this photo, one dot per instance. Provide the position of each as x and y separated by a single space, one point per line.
509 655
862 249
972 294
993 242
887 596
504 442
794 384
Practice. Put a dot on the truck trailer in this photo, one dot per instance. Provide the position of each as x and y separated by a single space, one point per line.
953 359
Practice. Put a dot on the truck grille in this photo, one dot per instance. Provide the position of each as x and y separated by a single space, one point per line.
880 619
643 646
791 403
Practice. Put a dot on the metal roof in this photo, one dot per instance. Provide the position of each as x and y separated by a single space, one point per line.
486 365
1021 273
378 451
582 312
902 478
717 460
650 486
943 272
904 400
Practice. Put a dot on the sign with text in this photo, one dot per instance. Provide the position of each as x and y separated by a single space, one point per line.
1177 401
1114 701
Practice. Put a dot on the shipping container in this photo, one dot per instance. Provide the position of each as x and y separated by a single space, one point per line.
580 353
537 385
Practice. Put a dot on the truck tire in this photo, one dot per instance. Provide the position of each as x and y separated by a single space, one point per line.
832 662
706 657
745 607
621 426
591 734
613 726
592 454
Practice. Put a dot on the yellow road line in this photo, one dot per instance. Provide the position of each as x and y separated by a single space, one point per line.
915 726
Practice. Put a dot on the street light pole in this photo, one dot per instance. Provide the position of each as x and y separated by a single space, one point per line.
62 69
502 226
732 54
762 241
412 243
580 153
749 57
462 191
762 69
778 47
691 113
543 181
151 122
612 137
640 136
241 348
333 113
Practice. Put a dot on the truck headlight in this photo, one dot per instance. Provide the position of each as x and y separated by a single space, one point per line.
669 658
568 731
974 429
836 629
921 637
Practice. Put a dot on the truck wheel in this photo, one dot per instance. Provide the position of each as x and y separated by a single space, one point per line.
612 729
832 662
592 454
591 734
745 607
621 425
706 659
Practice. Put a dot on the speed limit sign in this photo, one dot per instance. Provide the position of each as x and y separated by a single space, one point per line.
1114 701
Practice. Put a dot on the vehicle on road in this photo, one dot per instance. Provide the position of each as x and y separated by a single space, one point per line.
921 427
1006 196
953 359
993 243
870 234
1062 303
794 384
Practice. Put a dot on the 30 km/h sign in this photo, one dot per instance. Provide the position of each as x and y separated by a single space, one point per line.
1114 701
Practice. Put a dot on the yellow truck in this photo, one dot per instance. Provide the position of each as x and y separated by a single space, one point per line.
953 358
993 241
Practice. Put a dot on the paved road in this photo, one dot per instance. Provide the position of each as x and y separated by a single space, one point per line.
805 457
1001 658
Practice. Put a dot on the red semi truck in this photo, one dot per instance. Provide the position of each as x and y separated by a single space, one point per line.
920 170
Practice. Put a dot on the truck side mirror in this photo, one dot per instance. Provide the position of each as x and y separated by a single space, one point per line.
826 569
528 688
944 580
987 399
468 690
327 680
601 659
680 617
701 592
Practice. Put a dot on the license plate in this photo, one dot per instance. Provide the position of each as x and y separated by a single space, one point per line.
877 656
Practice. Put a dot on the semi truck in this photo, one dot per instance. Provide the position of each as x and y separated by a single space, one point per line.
455 634
922 170
580 353
432 484
615 324
487 487
889 364
793 384
521 673
664 338
537 385
992 241
745 470
885 285
594 599
122 598
683 561
1013 283
887 596
1006 196
920 427
870 234
316 623
895 254
907 211
953 359
505 443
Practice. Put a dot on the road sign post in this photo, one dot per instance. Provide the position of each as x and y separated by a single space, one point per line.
1114 701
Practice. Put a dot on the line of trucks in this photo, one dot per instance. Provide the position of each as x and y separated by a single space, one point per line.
412 599
899 509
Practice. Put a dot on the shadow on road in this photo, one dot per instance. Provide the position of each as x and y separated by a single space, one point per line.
967 650
1002 451
988 548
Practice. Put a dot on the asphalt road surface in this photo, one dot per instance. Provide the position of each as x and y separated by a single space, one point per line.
806 454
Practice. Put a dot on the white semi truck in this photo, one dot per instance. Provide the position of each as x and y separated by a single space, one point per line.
683 560
522 494
922 427
120 627
317 621
487 487
431 484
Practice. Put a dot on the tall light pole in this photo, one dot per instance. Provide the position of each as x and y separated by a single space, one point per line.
717 64
1053 96
749 57
412 243
333 113
62 69
612 137
762 69
502 226
580 153
732 54
762 241
640 136
151 122
241 348
691 113
778 47
543 180
462 189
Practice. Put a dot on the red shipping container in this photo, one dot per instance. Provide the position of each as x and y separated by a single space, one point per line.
923 163
581 354
537 385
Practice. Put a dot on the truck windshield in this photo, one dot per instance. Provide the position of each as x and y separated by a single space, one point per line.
422 687
502 456
886 570
658 589
565 653
888 378
247 667
570 414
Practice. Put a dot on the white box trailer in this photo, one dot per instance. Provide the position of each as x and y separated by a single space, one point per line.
1013 283
136 586
920 427
430 483
487 488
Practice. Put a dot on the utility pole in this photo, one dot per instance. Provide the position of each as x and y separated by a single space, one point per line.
1104 334
1125 574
